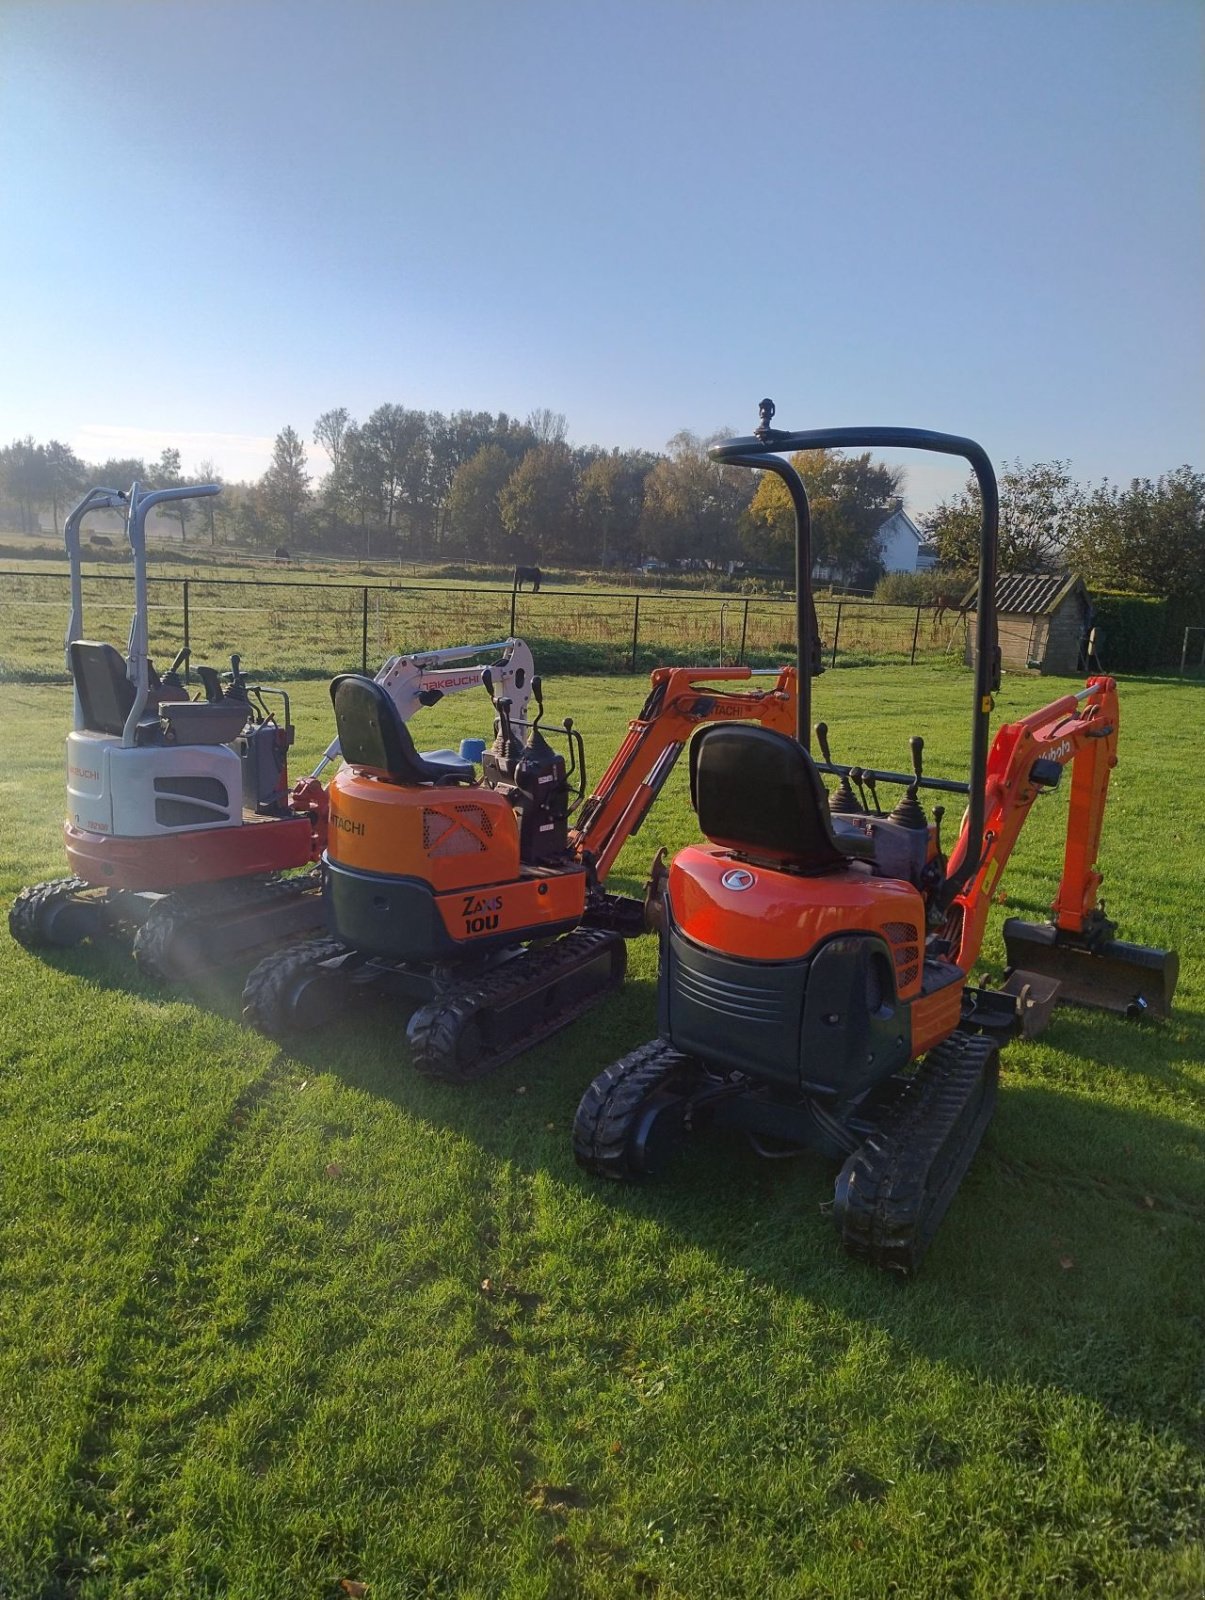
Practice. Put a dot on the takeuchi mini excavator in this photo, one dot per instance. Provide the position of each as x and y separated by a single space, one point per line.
481 899
816 950
181 820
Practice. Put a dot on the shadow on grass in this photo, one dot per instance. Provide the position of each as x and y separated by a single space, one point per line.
1071 1257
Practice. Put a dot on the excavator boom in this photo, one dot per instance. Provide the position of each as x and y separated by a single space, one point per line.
680 700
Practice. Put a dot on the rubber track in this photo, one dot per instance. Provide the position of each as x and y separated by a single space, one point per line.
195 919
436 1029
268 992
26 910
610 1107
896 1187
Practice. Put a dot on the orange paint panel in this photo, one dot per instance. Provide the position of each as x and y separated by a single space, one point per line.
780 916
453 837
521 908
935 1017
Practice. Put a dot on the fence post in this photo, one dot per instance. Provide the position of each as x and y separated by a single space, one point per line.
740 660
364 634
187 645
915 632
836 635
635 632
514 591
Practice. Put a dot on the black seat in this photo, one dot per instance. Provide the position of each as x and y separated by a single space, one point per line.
106 695
758 794
372 734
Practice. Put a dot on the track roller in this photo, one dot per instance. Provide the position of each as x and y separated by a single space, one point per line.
56 913
616 1131
893 1191
292 991
471 1029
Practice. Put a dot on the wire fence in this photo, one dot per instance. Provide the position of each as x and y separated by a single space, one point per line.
297 628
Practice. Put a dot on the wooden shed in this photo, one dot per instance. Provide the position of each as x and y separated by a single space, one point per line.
1042 620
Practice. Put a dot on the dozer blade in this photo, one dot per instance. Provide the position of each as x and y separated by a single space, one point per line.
1108 974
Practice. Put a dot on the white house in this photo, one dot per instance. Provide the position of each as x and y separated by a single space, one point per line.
902 545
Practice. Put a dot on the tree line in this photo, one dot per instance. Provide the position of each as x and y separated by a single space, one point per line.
480 487
488 488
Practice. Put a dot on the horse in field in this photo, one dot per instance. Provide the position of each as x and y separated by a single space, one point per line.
530 575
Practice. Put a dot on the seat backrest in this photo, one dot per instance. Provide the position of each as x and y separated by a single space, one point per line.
106 695
758 793
372 734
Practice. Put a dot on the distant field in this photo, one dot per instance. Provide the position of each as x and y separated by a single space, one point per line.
306 621
276 1318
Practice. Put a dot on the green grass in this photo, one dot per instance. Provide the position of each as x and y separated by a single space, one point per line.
305 622
271 1319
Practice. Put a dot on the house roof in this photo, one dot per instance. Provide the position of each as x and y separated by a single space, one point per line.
1029 594
906 523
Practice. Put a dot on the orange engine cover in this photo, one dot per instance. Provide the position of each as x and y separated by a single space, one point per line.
762 914
452 836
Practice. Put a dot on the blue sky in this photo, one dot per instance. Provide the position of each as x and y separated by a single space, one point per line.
218 219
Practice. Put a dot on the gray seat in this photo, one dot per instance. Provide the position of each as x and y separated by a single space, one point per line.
372 734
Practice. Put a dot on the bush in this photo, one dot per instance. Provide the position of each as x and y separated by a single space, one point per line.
922 588
1131 630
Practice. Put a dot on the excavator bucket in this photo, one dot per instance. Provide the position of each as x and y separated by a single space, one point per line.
1107 974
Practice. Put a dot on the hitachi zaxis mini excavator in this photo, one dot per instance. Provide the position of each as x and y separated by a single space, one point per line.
482 899
815 951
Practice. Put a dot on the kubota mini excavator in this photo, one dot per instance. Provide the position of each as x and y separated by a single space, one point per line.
180 813
482 899
815 952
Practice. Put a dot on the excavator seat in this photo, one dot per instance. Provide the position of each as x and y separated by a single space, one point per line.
757 793
106 695
373 735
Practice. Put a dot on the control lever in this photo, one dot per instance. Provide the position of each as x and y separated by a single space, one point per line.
856 775
867 777
537 694
238 684
210 683
487 679
917 745
842 801
171 679
938 813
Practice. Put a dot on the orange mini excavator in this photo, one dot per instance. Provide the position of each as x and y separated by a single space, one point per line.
482 898
815 951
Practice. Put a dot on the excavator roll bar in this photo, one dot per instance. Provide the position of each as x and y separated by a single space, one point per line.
762 452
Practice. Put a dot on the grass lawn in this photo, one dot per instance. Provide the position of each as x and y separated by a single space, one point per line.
270 1320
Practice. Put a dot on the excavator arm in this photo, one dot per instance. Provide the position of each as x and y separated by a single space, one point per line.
680 700
1026 760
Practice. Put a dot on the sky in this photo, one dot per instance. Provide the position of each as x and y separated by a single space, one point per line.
218 219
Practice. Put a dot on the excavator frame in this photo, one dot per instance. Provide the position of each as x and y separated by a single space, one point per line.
503 987
815 956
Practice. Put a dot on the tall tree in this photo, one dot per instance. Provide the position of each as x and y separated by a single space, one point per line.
610 498
475 528
1149 536
1040 507
286 484
165 474
23 473
692 505
394 450
331 431
207 472
849 497
64 476
537 504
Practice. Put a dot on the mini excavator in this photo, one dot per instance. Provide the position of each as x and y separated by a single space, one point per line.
816 950
481 900
181 818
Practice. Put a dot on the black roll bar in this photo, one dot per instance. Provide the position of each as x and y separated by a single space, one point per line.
762 451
